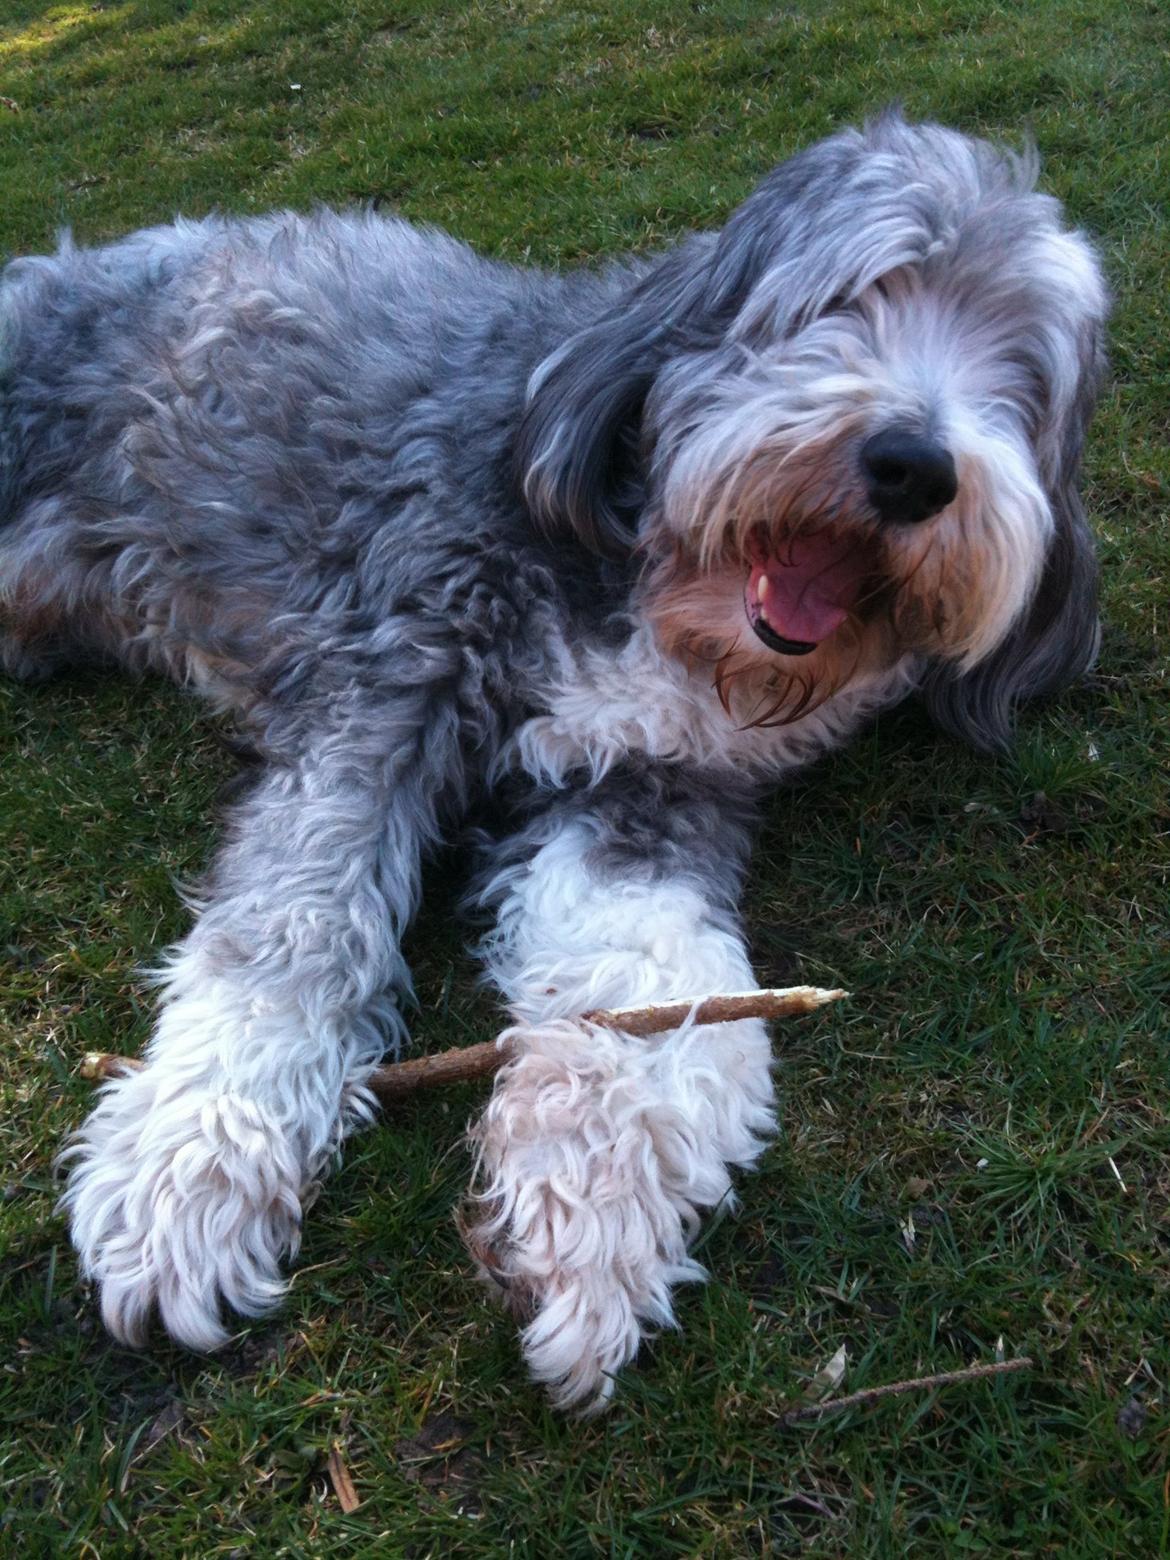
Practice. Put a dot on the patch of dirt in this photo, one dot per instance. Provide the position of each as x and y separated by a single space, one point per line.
439 1459
771 1275
260 1347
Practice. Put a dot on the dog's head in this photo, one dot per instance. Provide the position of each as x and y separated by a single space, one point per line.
848 428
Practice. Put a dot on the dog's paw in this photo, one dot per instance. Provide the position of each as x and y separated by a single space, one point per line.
584 1315
183 1199
588 1186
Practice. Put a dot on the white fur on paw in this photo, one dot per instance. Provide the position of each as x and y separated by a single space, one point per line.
590 1180
183 1199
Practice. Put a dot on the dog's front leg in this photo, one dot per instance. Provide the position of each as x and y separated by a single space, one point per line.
598 1150
188 1179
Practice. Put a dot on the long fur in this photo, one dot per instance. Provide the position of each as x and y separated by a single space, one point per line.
441 531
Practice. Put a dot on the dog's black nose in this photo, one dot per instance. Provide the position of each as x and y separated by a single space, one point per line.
908 478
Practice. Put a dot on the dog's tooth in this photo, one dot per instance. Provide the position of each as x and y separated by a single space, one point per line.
763 588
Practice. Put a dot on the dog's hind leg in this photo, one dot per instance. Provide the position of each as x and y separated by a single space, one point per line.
37 630
189 1178
598 1150
85 584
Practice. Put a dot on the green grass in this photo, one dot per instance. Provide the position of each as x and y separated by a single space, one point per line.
1000 1080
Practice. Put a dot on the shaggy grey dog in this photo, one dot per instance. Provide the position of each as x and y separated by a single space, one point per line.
616 549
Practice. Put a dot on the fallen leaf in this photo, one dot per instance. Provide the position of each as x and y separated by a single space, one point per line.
828 1378
342 1483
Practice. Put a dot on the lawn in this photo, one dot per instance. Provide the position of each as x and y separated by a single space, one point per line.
975 1149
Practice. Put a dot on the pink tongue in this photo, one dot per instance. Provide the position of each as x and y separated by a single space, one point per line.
811 587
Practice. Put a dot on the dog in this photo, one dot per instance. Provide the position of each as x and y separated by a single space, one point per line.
601 555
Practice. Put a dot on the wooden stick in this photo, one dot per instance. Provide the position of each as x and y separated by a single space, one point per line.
776 1002
398 1079
944 1378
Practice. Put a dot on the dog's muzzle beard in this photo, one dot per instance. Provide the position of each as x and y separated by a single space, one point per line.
783 620
802 589
839 561
789 614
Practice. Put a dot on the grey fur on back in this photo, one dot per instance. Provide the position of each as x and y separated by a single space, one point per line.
315 414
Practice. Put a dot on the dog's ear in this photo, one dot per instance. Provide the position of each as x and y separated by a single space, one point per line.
1057 639
577 446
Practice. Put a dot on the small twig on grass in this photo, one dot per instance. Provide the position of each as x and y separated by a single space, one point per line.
97 1066
868 1395
398 1079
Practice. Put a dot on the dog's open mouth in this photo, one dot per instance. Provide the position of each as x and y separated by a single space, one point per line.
801 593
